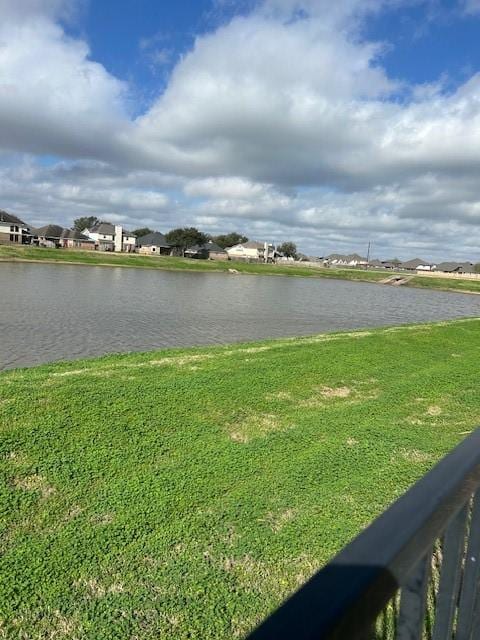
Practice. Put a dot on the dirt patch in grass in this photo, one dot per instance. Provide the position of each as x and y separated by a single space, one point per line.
277 520
72 372
181 360
102 519
257 576
414 455
357 392
339 392
17 458
34 482
255 425
434 410
95 589
279 395
52 625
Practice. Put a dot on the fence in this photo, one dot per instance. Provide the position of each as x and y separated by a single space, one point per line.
413 574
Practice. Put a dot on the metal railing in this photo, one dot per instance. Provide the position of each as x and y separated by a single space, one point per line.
413 574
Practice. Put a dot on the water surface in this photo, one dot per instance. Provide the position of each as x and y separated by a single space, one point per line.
53 312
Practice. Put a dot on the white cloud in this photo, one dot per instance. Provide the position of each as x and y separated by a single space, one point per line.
53 98
471 6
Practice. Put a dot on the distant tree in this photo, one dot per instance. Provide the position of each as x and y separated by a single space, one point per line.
288 249
229 239
185 237
143 231
85 223
477 267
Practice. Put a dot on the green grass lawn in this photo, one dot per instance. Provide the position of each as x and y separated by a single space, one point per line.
36 254
185 493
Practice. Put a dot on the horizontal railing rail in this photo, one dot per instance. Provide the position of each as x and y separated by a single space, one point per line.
412 574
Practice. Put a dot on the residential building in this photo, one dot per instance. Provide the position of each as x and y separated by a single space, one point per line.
252 251
110 237
73 239
154 243
417 264
455 267
48 236
13 230
350 260
208 251
391 264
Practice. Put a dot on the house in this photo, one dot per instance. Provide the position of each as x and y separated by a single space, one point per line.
417 264
350 260
376 264
154 244
252 251
391 264
208 251
48 236
13 230
455 267
110 237
73 239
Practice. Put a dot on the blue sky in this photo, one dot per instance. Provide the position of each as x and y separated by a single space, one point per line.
423 42
330 124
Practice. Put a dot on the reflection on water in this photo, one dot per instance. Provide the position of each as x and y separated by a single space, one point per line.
52 312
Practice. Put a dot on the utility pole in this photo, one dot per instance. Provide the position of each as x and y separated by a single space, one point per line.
368 255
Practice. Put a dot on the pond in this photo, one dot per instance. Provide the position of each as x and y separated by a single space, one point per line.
58 312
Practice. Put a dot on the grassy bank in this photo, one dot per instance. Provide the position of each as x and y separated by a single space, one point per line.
185 493
35 254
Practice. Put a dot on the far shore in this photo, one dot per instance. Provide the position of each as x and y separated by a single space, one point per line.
105 259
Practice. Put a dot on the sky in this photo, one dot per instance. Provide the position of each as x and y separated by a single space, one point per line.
330 124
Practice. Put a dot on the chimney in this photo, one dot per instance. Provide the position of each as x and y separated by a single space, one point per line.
118 239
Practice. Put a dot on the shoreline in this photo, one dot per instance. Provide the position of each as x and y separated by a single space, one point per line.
261 345
471 287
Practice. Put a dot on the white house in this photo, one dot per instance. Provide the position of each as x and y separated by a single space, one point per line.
109 237
251 250
13 230
351 260
417 264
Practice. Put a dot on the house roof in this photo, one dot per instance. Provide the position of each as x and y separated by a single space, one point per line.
355 256
108 229
413 264
351 257
155 238
213 246
453 266
251 244
103 227
207 246
375 263
73 234
49 231
8 217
